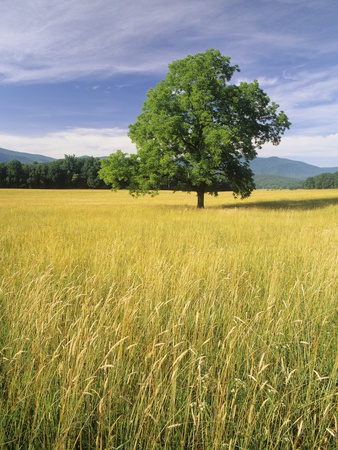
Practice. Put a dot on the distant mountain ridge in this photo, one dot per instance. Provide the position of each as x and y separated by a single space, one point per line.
261 167
24 158
287 168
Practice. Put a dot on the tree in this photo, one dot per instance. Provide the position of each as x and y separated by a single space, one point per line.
121 171
198 132
69 169
89 173
309 183
322 181
3 174
15 174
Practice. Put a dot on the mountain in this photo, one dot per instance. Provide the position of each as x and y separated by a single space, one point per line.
270 173
24 158
287 168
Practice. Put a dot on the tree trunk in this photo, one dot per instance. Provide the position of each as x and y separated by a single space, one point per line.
200 199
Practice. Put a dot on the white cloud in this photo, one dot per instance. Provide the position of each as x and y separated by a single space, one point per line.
265 81
76 141
317 150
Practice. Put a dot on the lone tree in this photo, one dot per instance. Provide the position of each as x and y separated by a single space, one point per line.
197 132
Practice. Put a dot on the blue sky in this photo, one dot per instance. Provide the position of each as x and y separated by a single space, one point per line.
74 73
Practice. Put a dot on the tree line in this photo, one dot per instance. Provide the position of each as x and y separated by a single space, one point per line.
67 173
322 181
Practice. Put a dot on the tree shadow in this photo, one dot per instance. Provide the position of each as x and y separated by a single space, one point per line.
315 203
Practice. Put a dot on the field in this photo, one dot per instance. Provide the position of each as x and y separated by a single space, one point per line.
149 324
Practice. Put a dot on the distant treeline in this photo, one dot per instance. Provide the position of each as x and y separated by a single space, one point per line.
322 181
276 182
68 173
82 173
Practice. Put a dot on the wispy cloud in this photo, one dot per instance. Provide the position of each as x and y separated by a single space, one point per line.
310 99
76 141
47 41
42 40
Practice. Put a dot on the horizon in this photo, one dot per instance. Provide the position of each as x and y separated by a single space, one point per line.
74 75
88 156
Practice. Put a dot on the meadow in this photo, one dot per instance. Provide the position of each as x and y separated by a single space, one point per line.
149 324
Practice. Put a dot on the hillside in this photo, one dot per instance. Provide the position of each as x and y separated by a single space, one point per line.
277 182
24 158
287 168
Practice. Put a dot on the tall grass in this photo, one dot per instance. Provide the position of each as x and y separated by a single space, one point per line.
148 324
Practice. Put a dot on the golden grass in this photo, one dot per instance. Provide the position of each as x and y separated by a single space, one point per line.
149 324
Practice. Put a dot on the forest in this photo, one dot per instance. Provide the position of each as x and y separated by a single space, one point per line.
73 172
67 173
322 181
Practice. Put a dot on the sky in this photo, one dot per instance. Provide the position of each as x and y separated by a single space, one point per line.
74 73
